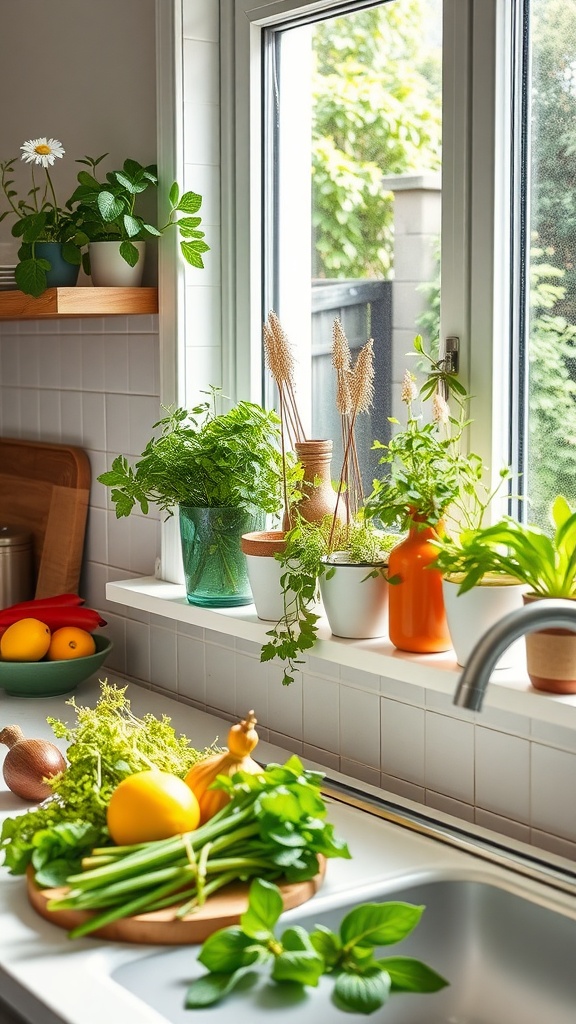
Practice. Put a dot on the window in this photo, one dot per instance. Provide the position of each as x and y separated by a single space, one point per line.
281 90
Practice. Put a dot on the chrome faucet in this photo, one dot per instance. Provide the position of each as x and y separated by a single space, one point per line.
549 613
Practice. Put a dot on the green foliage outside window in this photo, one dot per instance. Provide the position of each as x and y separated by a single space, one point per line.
376 111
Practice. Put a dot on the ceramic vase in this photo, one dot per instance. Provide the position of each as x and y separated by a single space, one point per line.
355 602
108 269
320 498
551 658
471 614
417 617
215 570
61 274
264 571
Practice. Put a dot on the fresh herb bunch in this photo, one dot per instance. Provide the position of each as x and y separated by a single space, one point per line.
304 560
39 218
107 743
204 460
363 981
546 564
428 472
274 825
107 210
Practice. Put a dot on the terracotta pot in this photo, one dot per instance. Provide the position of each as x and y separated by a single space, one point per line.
319 495
551 657
469 615
417 617
264 571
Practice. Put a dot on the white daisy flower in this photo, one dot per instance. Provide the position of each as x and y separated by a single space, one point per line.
42 151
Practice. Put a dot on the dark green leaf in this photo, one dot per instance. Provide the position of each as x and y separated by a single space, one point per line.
228 949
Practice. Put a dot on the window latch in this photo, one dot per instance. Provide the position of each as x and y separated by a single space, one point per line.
452 355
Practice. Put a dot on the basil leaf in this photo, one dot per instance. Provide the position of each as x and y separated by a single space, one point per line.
211 988
379 924
228 949
265 905
361 993
410 975
302 966
327 945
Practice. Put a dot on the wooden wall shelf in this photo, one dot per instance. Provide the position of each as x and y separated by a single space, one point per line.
77 302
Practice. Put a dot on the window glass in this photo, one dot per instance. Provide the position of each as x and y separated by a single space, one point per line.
549 456
353 198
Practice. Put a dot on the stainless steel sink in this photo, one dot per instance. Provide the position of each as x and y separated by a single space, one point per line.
509 960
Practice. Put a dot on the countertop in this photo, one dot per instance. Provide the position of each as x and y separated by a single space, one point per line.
50 979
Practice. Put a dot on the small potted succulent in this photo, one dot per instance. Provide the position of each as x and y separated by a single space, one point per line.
51 236
115 229
222 471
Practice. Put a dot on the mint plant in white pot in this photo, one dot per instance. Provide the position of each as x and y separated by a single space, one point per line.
117 231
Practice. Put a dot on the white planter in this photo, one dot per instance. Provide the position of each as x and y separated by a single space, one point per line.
356 607
264 572
469 615
108 269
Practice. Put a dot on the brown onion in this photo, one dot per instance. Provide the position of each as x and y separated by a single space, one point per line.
28 763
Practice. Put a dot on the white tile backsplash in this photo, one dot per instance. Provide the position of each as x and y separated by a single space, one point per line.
321 720
402 739
360 726
553 806
502 766
449 765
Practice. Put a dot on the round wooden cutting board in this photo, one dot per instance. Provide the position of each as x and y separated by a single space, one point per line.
161 927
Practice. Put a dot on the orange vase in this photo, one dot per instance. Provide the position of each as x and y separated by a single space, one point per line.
417 619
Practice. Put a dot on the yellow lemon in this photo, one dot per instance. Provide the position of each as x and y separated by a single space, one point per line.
151 805
25 640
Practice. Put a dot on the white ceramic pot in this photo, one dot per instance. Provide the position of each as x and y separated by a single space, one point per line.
355 603
264 572
108 269
469 615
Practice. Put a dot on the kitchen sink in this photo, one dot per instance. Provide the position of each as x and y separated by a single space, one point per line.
509 960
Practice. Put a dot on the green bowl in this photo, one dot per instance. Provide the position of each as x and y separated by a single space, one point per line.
50 678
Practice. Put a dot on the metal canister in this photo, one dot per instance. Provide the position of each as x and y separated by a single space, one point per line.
16 566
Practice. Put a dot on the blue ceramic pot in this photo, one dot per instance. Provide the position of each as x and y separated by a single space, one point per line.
62 274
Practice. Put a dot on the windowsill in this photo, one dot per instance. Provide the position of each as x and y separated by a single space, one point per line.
509 689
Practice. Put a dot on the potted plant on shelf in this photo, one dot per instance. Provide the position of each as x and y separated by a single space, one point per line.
426 477
312 555
545 566
223 473
51 236
116 231
342 558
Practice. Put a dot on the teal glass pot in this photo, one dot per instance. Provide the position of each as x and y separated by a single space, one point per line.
215 570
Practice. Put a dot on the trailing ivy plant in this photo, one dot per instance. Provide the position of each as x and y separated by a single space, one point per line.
204 459
304 561
362 980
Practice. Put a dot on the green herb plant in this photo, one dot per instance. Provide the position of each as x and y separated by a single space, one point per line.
107 743
273 825
524 553
204 459
304 560
362 981
428 472
107 211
